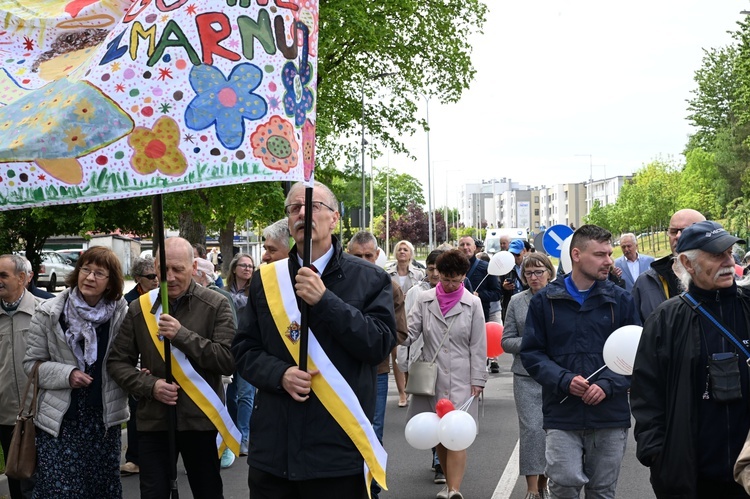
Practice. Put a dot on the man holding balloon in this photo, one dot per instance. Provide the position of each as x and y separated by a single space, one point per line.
690 388
585 403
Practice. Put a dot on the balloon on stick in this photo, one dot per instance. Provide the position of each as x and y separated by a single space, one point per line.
567 263
494 339
443 407
457 430
501 263
620 348
382 259
421 431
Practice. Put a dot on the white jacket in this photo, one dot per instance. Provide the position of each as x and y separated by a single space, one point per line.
46 342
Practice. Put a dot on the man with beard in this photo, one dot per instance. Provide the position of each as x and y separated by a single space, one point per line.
690 380
586 415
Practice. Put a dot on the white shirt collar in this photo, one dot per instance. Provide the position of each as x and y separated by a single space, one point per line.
321 262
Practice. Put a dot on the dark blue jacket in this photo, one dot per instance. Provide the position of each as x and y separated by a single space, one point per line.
564 339
490 290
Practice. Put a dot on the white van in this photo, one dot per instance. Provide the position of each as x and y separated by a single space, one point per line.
492 240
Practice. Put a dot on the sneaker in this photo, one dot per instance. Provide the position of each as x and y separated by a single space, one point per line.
129 468
544 493
243 448
439 475
227 459
454 494
443 494
494 367
531 495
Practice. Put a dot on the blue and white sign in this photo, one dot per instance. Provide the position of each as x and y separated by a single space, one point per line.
554 237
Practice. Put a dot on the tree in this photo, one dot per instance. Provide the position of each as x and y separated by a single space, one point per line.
700 184
424 43
411 226
601 216
402 189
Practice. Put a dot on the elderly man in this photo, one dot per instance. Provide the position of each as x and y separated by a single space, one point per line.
690 390
363 245
16 308
200 327
631 263
298 447
659 283
490 290
586 415
276 241
504 242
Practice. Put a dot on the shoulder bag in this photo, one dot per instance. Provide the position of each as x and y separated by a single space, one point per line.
21 460
423 374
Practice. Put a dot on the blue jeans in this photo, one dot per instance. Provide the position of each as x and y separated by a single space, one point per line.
585 458
378 420
240 398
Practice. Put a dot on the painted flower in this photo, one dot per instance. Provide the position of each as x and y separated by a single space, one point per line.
308 148
74 137
275 144
158 148
306 13
298 98
84 110
225 102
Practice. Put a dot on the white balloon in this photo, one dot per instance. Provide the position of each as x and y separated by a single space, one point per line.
457 430
567 263
381 260
619 349
501 263
421 431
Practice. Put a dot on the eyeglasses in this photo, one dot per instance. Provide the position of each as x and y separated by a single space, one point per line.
673 231
293 209
150 277
538 273
98 274
246 266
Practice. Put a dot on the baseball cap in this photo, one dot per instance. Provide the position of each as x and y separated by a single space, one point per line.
516 246
707 236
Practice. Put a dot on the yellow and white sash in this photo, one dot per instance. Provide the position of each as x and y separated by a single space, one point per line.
192 383
329 386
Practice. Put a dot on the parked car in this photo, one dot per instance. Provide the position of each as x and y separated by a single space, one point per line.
71 254
53 270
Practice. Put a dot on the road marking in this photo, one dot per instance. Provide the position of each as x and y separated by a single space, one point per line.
510 476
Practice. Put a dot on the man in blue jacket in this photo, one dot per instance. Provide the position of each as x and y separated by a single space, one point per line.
586 417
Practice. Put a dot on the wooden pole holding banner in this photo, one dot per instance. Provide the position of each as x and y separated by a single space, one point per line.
306 257
171 409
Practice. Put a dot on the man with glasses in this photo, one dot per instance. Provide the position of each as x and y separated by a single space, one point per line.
659 283
298 447
631 263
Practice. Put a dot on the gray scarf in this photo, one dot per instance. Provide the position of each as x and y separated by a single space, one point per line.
83 320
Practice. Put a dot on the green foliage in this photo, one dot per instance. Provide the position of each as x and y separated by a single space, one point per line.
700 184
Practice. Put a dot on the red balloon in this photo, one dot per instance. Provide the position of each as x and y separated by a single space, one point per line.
443 407
494 336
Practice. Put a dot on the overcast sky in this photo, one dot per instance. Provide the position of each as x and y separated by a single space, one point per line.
561 78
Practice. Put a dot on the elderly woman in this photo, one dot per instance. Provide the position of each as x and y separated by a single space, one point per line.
80 407
450 319
144 276
536 272
406 275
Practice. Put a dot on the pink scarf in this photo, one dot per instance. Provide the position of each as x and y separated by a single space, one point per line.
448 300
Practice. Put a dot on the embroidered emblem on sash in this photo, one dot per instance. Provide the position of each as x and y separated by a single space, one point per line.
292 332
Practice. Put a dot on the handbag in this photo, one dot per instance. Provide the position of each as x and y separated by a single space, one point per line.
21 460
423 374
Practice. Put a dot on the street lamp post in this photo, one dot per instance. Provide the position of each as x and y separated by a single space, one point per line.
364 143
429 181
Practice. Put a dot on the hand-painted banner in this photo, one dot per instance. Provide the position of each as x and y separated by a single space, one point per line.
105 99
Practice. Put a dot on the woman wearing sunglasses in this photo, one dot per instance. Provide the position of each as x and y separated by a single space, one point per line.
144 276
536 272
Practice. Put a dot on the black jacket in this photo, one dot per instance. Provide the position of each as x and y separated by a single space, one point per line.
355 324
648 290
667 383
490 290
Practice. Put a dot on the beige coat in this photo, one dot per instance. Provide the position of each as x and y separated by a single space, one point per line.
461 359
14 329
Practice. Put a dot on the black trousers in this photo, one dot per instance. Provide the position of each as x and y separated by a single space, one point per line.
19 489
199 455
267 486
131 453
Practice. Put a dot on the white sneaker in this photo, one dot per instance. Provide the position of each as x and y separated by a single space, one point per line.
443 494
227 459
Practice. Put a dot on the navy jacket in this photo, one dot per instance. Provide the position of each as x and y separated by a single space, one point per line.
355 324
490 290
564 339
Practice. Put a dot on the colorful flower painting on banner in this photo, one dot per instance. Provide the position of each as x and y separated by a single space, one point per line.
104 99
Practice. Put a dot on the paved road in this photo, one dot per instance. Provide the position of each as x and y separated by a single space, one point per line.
409 475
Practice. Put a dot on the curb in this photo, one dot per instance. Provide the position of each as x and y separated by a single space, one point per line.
4 490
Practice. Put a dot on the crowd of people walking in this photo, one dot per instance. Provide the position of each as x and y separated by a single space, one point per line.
238 389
